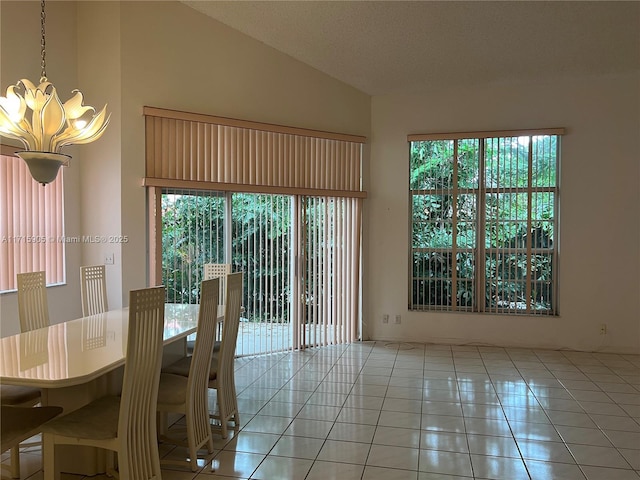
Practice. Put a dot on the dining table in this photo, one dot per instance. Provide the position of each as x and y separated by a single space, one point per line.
77 361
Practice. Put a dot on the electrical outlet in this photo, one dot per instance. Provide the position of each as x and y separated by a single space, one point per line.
385 318
108 259
398 319
603 329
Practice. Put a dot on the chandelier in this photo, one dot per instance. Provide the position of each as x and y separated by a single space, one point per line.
35 116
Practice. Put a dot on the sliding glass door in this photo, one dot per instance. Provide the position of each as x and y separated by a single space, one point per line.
300 256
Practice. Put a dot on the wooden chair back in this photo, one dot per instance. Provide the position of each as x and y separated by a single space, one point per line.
33 308
93 289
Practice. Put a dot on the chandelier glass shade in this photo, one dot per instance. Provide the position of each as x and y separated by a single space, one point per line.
37 118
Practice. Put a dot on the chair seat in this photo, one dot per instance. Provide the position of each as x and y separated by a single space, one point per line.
20 423
182 366
192 343
97 420
172 389
18 395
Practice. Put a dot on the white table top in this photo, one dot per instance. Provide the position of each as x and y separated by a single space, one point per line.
75 352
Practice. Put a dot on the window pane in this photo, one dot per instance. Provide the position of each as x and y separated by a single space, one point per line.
465 271
431 164
467 207
468 163
509 206
542 235
542 282
466 225
542 214
466 235
506 220
432 278
544 151
432 226
506 275
507 162
432 293
192 235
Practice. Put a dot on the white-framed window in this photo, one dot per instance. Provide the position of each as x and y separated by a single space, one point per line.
484 222
31 224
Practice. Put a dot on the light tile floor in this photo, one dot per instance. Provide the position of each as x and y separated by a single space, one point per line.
389 411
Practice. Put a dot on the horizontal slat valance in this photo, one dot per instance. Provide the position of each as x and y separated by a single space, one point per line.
418 137
203 148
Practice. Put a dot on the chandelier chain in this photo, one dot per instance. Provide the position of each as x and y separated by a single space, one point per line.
43 43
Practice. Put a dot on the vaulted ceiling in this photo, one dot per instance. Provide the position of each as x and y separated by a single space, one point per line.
385 47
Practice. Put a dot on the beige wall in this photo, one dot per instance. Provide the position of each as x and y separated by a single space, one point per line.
599 210
100 189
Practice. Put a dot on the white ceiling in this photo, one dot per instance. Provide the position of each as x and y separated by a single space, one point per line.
384 47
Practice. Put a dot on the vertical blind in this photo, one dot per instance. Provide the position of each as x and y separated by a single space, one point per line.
330 252
31 224
252 156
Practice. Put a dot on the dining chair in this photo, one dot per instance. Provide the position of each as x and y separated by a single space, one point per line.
222 375
126 424
210 271
20 423
93 289
33 309
221 372
217 270
17 396
189 395
33 313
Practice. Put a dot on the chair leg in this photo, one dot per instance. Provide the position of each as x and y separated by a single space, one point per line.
223 421
112 469
162 424
193 456
48 457
15 461
210 444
